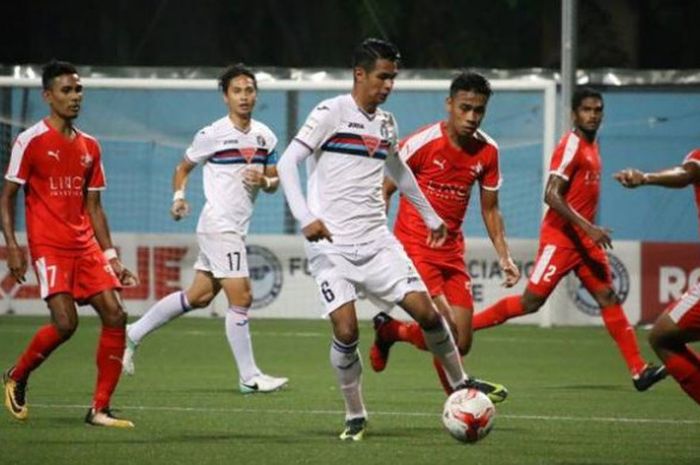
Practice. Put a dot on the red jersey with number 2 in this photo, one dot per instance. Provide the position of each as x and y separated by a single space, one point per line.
578 161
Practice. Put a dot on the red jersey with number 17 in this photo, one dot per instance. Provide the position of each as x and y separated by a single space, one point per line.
578 161
694 157
56 173
445 175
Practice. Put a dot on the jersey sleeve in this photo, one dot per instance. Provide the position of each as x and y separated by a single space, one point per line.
318 126
202 147
693 157
565 160
491 177
98 179
19 168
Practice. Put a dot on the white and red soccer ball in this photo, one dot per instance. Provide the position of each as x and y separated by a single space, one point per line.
468 415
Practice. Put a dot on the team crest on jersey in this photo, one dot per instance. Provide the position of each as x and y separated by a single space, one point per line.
261 140
372 144
86 160
584 300
248 153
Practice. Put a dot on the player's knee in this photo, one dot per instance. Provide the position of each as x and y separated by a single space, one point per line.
243 299
201 301
114 317
464 346
531 303
65 326
607 297
346 334
661 337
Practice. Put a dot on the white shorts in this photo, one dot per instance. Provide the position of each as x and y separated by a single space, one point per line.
380 269
222 254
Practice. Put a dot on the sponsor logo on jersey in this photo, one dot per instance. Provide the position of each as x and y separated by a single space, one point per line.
322 107
65 186
584 300
53 154
265 275
230 141
440 163
248 153
372 143
354 125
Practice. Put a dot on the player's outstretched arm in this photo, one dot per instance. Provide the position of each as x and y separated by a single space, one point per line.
676 177
554 197
16 258
493 220
180 208
407 184
98 219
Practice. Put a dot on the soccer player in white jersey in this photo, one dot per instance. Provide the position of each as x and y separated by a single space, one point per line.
347 142
238 154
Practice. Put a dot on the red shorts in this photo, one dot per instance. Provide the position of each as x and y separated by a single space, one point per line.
82 276
685 312
448 277
554 262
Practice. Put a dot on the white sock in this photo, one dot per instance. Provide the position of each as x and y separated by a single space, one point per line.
238 335
440 342
347 364
166 309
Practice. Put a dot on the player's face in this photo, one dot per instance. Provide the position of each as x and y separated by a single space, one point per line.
241 95
65 96
376 85
465 112
589 115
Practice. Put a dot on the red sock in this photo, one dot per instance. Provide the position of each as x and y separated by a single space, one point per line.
442 376
685 368
45 340
505 309
620 330
407 332
110 350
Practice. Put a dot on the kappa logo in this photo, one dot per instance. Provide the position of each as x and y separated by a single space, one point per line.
248 153
372 144
53 154
440 163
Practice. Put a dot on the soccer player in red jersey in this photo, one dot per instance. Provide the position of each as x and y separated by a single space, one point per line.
680 322
60 170
448 158
571 241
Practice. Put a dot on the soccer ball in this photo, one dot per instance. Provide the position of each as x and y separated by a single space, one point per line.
468 415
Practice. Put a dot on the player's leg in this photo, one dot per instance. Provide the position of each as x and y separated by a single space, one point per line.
251 378
347 364
594 273
673 330
551 265
199 294
54 276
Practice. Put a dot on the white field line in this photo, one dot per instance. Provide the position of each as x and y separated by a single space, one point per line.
652 421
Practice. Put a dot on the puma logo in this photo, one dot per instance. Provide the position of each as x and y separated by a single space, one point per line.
440 163
53 154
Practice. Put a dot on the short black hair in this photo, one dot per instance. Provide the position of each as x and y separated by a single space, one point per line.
583 93
53 69
370 50
470 81
232 72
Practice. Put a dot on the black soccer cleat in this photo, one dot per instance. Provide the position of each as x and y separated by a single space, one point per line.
650 375
354 429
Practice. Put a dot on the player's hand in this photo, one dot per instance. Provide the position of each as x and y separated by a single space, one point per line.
179 209
437 236
125 277
511 271
17 263
630 178
316 231
601 236
253 178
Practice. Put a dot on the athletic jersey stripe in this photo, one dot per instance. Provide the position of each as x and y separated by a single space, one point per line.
685 303
569 151
542 263
418 140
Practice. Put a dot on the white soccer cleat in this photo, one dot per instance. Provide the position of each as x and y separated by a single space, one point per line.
128 358
262 383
